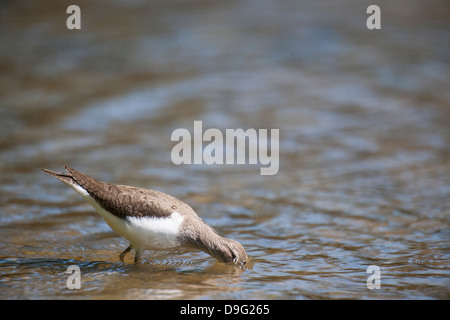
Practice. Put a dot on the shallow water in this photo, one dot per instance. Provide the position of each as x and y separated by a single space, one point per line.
363 115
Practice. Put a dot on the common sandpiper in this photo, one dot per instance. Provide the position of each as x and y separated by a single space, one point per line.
151 219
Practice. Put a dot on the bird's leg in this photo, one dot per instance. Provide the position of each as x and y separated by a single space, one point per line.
122 255
137 256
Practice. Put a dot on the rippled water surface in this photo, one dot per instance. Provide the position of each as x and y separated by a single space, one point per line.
364 120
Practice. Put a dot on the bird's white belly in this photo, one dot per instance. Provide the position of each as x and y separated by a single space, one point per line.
155 233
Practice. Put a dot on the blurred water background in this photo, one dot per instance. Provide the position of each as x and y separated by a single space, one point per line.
364 120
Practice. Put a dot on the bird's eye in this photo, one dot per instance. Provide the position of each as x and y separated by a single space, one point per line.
235 260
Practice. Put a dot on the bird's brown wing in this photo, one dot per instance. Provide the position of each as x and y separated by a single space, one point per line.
123 201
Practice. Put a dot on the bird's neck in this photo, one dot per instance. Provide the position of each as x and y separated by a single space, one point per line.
206 239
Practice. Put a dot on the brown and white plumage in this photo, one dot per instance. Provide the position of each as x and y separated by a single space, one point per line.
151 219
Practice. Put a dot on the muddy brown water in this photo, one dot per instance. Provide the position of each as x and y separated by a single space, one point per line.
364 120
